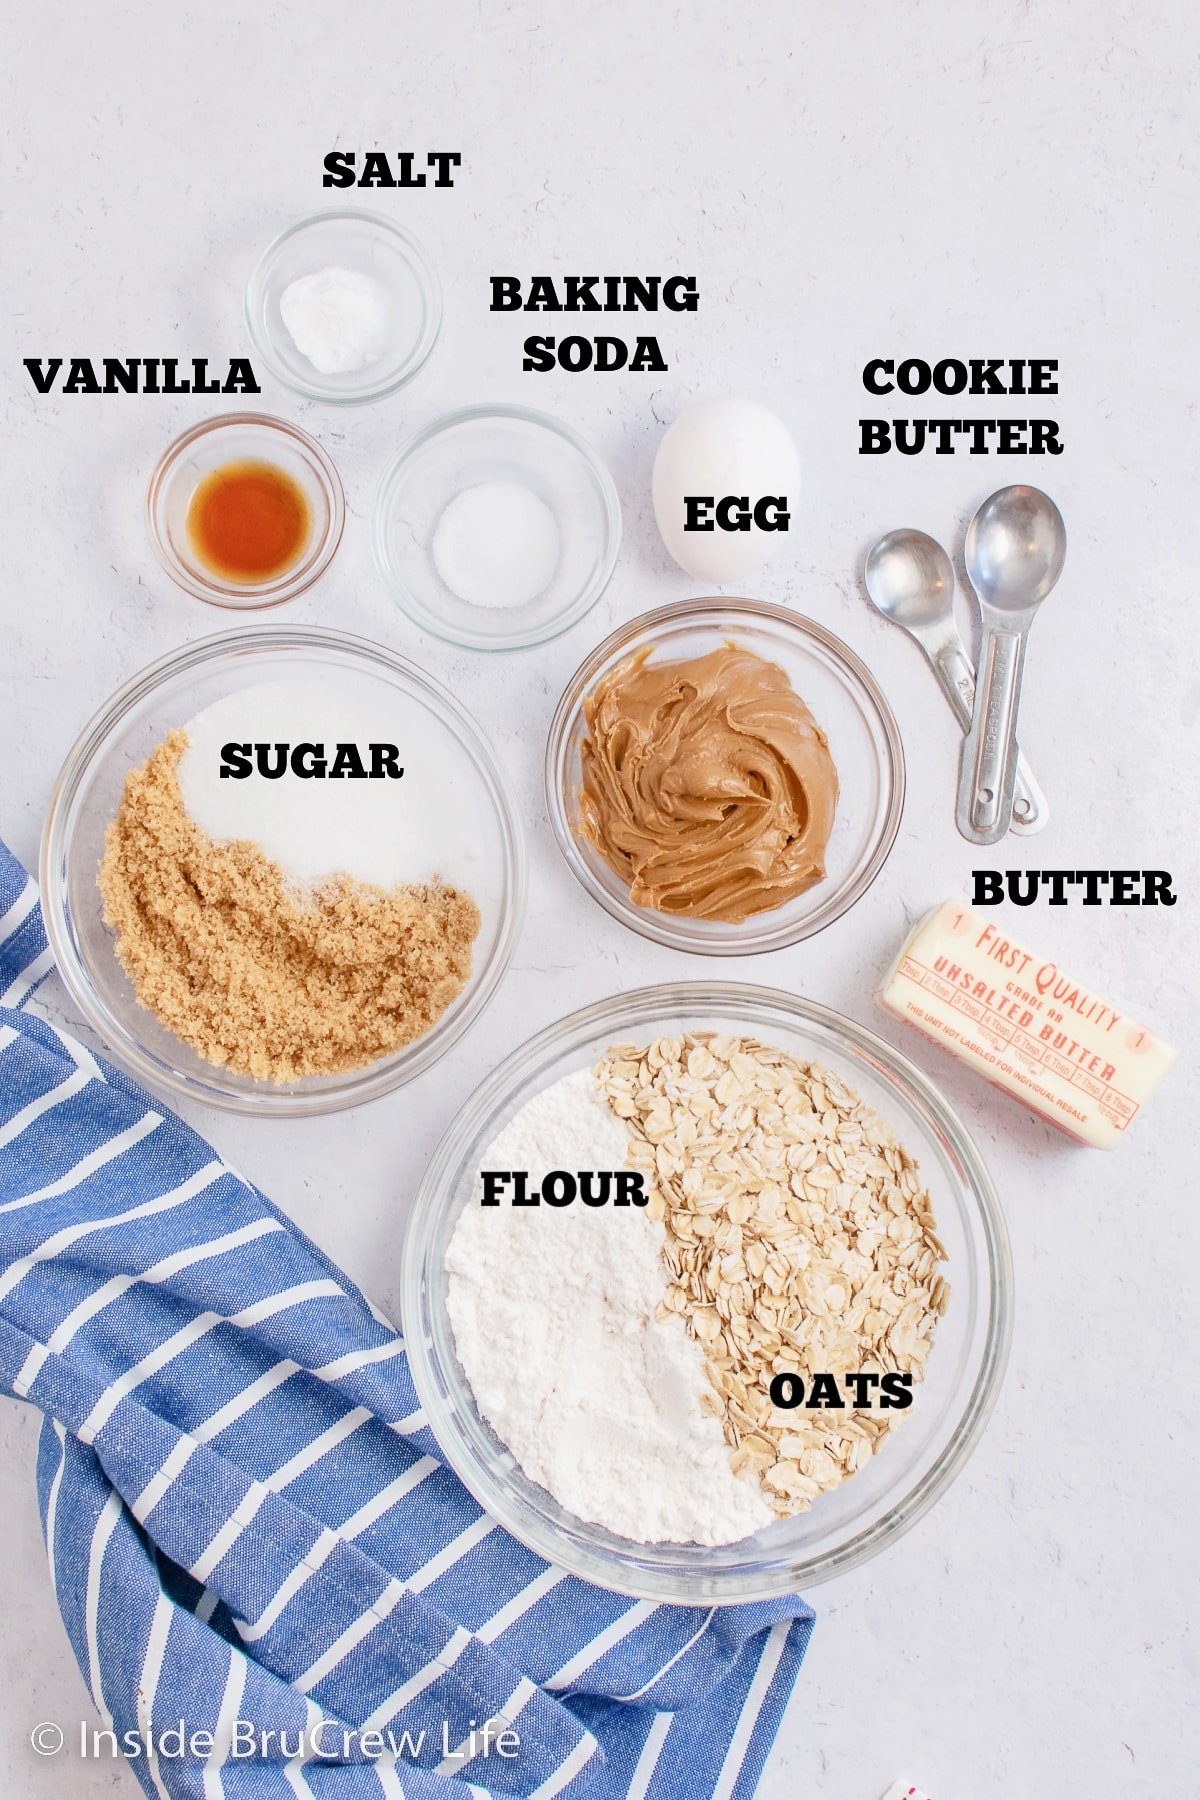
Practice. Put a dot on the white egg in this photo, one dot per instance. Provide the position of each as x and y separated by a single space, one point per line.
728 450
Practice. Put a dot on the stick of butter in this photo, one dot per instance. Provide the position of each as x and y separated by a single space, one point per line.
1029 1028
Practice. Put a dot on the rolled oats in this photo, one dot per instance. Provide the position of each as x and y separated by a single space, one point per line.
798 1237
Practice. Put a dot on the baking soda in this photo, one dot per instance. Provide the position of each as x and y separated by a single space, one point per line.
552 1310
497 545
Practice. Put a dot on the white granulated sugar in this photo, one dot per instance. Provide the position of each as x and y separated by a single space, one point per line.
337 318
497 545
422 827
553 1316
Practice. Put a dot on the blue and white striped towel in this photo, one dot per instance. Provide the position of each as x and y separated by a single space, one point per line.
248 1525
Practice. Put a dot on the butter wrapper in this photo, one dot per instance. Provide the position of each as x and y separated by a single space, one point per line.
1032 1030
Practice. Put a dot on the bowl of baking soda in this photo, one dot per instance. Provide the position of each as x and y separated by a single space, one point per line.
281 871
496 527
707 1293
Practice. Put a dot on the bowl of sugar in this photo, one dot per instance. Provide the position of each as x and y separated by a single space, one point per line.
282 872
496 527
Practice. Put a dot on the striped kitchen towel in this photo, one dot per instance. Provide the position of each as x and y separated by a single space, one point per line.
248 1524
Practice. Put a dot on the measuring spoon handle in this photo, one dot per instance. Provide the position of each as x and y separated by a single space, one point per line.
988 769
952 666
957 678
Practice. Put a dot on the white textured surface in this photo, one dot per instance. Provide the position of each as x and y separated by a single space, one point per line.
848 182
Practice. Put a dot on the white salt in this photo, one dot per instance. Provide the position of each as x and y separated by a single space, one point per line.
337 318
497 545
424 826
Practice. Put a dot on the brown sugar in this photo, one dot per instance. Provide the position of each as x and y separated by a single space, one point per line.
257 976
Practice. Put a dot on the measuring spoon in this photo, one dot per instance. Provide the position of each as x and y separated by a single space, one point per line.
910 581
1015 549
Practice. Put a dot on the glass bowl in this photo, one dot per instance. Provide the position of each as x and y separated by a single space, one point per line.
243 437
369 244
950 1407
121 736
496 443
864 740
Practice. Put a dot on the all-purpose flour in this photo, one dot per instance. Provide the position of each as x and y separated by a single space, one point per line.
553 1316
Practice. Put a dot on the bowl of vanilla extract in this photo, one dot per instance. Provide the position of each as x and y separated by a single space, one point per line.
245 511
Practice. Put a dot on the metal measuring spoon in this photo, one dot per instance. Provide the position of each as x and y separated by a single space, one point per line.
910 581
1015 549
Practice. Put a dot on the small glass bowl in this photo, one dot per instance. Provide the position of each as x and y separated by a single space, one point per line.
847 704
496 443
243 437
930 1444
122 735
370 244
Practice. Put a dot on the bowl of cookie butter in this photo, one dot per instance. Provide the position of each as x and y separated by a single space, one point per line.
282 871
724 776
708 1293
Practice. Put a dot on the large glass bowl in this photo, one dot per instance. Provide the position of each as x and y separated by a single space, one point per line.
845 700
932 1440
122 735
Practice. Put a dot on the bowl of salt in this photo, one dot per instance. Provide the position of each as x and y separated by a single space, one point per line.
344 306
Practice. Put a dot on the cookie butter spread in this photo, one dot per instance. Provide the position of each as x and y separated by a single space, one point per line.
707 784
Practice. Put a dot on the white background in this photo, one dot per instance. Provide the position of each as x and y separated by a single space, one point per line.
845 182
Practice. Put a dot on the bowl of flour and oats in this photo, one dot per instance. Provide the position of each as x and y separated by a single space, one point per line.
708 1293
